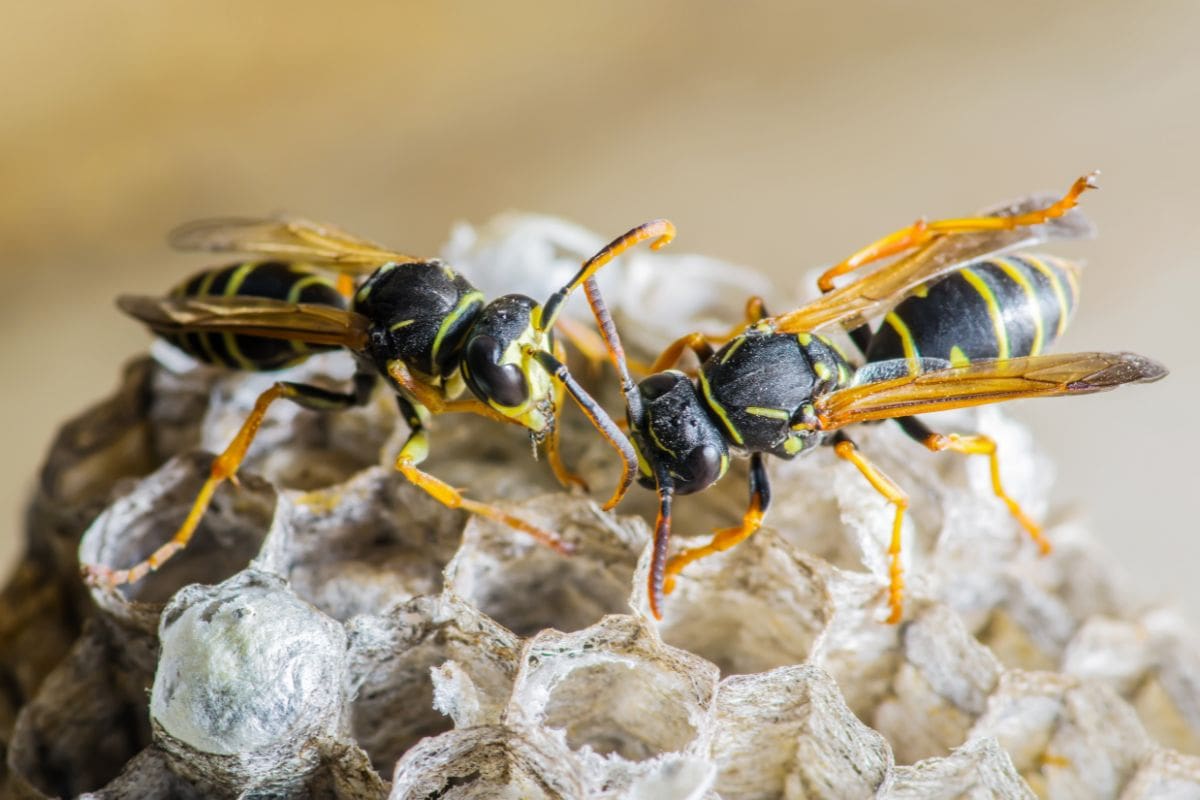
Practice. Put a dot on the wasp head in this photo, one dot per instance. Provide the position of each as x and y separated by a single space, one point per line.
498 369
677 435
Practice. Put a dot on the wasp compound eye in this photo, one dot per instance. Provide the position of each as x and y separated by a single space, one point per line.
503 383
703 467
659 384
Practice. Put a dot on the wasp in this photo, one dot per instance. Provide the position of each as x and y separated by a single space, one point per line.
416 323
964 324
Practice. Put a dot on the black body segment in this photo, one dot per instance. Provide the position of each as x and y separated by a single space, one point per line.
491 369
760 386
278 280
1004 307
415 322
420 313
677 434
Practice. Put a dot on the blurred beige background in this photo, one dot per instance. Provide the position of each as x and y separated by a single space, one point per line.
777 137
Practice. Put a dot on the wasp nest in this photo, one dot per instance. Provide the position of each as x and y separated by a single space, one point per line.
334 632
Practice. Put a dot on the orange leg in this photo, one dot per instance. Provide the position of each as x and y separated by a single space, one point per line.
345 285
698 343
432 398
701 343
845 449
986 446
416 450
725 538
224 467
921 232
583 339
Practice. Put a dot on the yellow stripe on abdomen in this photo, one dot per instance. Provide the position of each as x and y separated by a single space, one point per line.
231 289
1051 274
906 339
1013 271
993 308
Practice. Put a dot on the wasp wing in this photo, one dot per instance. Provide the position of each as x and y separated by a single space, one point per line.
883 288
253 316
293 239
983 382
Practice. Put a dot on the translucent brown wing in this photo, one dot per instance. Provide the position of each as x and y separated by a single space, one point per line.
983 382
292 239
255 316
883 288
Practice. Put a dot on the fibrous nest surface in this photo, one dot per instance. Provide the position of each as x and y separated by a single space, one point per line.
332 631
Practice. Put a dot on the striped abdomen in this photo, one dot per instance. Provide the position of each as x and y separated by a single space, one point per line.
293 283
1004 307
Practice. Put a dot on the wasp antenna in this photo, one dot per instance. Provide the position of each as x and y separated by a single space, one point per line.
662 231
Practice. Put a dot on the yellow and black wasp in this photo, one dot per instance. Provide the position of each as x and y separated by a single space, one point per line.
963 325
415 322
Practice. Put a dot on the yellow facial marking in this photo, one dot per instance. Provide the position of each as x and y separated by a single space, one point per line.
658 442
537 412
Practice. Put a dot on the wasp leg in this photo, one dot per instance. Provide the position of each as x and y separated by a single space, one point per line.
701 343
698 343
585 340
756 310
921 232
225 466
845 449
416 450
599 419
725 538
595 349
345 285
565 476
430 398
976 444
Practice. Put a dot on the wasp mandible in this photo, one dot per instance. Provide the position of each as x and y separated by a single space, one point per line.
416 323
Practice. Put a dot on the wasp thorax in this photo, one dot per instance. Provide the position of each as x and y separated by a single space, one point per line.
679 436
420 313
498 370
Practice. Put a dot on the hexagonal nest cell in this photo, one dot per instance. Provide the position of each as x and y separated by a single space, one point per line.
332 631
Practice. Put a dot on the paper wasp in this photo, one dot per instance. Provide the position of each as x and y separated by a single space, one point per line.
415 322
963 326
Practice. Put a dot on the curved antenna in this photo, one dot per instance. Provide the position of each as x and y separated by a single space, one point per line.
599 419
662 539
616 353
661 230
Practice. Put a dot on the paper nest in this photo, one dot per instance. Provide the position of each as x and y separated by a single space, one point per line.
379 645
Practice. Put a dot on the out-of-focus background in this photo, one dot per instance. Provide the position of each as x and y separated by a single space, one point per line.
775 137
